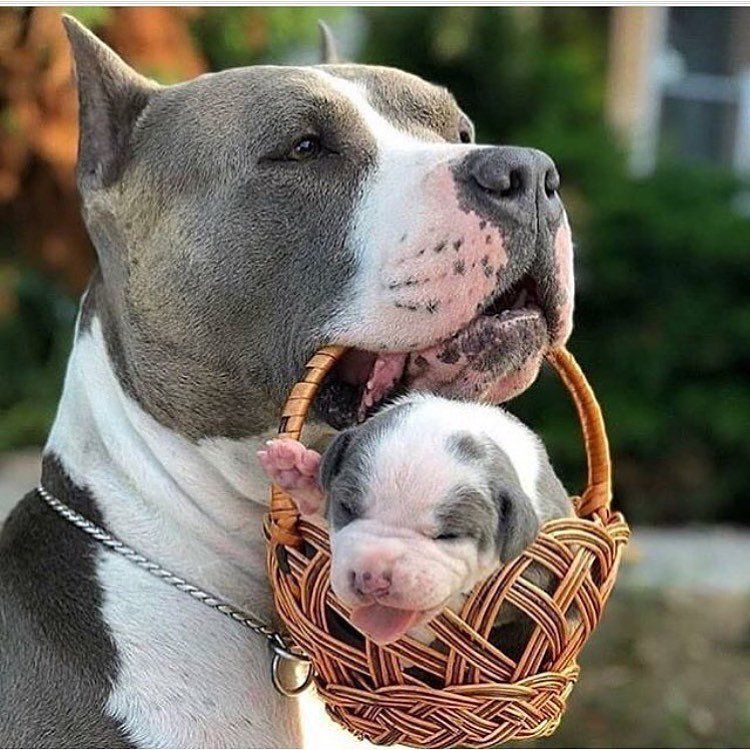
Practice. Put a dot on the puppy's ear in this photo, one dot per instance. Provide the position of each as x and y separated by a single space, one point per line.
518 524
111 96
333 458
329 55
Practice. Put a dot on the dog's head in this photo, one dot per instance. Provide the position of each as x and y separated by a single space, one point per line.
244 218
423 501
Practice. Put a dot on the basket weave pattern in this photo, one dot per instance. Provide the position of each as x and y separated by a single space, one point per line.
461 690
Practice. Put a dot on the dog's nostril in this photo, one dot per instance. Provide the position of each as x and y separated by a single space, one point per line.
367 582
551 183
512 184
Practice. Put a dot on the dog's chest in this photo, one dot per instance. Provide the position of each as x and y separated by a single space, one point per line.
188 676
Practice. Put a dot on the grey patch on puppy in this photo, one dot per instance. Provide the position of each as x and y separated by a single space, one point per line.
503 506
467 447
554 500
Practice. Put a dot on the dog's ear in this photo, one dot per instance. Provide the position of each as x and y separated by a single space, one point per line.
328 53
518 524
334 457
111 96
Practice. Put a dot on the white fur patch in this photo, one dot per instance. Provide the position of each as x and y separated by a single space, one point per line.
425 432
188 676
395 212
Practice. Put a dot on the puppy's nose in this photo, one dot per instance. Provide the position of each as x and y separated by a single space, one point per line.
371 582
509 175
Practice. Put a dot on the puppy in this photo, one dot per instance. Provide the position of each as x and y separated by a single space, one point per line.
423 501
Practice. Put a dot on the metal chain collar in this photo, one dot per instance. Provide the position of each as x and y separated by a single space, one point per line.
280 649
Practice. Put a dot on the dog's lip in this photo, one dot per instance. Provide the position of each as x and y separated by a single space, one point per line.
367 379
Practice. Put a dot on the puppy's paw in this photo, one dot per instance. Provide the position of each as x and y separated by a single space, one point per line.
294 469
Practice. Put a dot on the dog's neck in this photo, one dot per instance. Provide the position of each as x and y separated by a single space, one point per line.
194 506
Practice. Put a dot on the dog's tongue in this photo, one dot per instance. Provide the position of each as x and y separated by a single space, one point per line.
383 624
386 371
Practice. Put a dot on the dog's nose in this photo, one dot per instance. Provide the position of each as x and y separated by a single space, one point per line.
513 176
371 582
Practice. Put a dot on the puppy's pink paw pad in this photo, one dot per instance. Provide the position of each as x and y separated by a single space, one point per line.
294 469
289 464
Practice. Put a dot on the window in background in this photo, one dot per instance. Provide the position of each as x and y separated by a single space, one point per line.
700 92
679 84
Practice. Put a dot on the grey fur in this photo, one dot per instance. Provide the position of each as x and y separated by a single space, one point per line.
554 501
467 511
57 658
518 522
495 509
467 447
110 93
206 243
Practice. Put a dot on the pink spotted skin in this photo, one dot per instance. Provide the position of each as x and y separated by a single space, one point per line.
439 264
432 274
450 267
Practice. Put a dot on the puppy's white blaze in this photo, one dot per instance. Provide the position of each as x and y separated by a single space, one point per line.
424 436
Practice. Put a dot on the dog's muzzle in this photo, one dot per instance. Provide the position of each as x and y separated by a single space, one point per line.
509 196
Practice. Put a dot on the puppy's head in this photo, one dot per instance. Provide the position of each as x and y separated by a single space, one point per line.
423 502
244 218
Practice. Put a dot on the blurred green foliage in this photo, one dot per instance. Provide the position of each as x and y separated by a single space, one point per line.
34 342
231 37
662 318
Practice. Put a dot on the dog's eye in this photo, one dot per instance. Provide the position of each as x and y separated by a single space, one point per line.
306 148
446 537
347 511
464 135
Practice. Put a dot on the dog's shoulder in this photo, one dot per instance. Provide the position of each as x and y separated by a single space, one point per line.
57 661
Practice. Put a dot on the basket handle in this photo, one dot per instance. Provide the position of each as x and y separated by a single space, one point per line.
596 497
598 493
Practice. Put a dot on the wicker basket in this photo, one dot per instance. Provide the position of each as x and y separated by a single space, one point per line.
461 690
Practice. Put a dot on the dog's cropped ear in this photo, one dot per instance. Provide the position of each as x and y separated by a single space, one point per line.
333 458
518 524
328 53
111 96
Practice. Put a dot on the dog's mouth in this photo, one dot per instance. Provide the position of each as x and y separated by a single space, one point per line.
485 355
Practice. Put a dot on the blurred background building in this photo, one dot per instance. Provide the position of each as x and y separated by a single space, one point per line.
679 84
647 112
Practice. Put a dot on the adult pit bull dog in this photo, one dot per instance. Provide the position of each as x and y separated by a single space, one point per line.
423 501
241 220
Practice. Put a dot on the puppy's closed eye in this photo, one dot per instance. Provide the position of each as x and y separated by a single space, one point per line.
465 514
344 511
